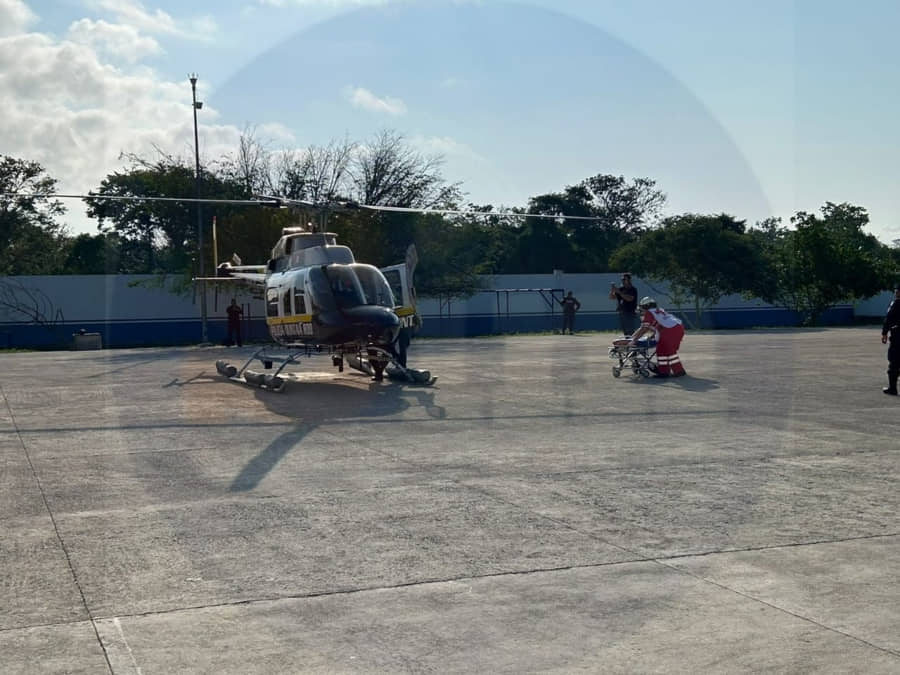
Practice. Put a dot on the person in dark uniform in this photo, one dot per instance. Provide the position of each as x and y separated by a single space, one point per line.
404 337
570 305
890 330
234 323
626 297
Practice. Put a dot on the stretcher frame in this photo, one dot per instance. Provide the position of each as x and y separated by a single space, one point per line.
638 357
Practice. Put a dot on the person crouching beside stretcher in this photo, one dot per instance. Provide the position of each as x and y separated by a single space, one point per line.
668 331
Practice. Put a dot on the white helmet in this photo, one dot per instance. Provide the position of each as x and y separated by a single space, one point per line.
647 302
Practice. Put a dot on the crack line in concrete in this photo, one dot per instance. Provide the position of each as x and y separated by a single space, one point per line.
777 608
660 561
62 543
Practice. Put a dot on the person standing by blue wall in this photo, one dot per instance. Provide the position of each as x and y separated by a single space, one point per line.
570 305
626 304
234 312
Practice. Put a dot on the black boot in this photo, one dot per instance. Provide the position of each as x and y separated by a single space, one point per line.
891 389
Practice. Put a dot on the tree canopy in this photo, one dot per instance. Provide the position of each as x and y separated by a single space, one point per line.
162 236
702 257
602 223
608 211
31 239
823 261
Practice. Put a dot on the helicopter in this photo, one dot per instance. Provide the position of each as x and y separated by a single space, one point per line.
318 298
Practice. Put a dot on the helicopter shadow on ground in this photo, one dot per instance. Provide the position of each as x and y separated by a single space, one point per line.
314 403
200 378
122 362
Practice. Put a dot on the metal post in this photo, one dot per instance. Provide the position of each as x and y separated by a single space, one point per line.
197 105
215 247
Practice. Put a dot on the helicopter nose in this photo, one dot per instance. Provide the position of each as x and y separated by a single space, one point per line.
376 323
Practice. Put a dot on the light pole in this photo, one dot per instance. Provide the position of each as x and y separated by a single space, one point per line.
197 106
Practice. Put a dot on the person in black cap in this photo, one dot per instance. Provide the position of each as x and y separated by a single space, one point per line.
626 297
891 330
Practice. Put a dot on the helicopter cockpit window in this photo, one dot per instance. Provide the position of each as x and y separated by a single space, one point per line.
375 286
272 302
345 286
393 279
320 295
299 301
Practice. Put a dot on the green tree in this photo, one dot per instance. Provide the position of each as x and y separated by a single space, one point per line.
248 232
161 236
607 211
702 257
494 238
452 257
93 254
822 261
147 227
542 246
31 239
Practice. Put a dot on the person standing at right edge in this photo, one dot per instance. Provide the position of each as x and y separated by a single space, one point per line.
890 330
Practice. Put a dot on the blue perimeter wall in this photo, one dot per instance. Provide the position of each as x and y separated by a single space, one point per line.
470 325
136 311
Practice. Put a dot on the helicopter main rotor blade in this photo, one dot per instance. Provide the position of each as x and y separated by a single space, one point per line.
137 198
273 201
455 212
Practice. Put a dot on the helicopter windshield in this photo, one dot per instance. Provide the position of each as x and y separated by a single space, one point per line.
345 286
357 284
375 287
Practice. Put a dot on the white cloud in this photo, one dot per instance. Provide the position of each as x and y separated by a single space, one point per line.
116 41
365 99
278 133
134 14
65 107
15 17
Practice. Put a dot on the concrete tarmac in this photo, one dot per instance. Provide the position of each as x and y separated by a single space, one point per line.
527 513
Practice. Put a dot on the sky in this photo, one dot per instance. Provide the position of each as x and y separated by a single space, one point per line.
755 109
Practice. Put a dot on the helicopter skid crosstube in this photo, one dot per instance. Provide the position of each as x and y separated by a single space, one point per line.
270 381
275 382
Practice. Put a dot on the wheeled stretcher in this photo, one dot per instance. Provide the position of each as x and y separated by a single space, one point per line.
638 357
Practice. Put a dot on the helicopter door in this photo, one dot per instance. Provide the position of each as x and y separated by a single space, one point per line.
404 294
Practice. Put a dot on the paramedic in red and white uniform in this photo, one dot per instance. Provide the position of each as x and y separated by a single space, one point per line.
668 331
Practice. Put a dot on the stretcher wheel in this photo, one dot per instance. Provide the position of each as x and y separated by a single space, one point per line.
645 372
616 371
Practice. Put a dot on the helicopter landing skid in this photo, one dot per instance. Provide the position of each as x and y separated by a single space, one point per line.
274 382
394 370
270 381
